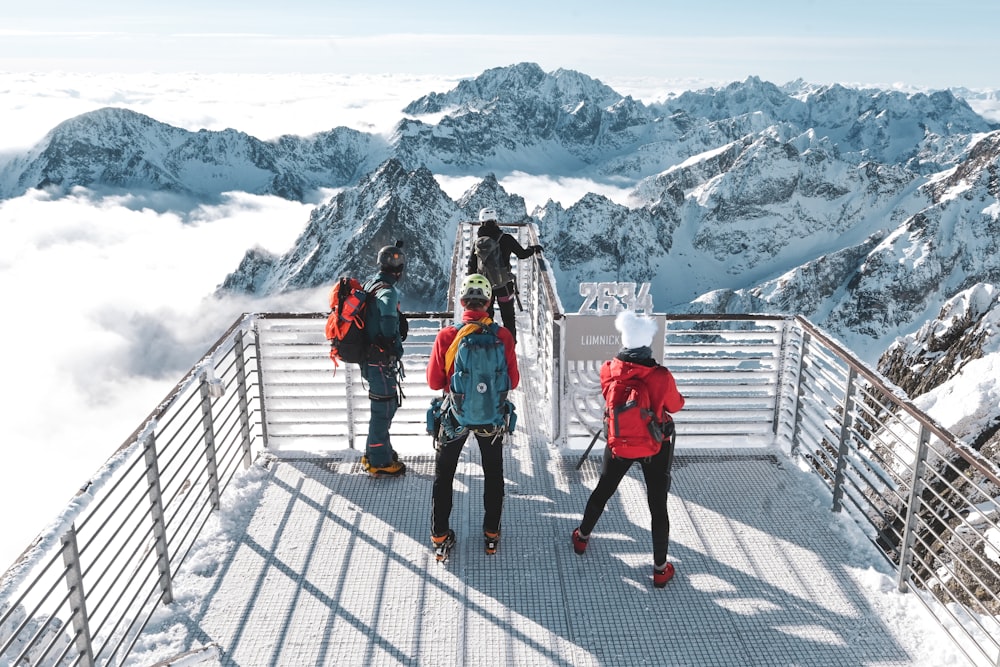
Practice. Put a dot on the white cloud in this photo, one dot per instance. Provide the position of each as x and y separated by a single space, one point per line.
264 106
107 307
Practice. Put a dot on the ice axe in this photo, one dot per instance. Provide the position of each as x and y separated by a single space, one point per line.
579 464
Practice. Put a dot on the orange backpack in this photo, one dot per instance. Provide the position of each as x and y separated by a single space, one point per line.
346 322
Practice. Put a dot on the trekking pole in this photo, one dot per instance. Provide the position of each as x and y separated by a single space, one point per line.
579 464
670 460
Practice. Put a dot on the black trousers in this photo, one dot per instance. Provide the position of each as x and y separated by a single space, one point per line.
656 471
445 464
507 313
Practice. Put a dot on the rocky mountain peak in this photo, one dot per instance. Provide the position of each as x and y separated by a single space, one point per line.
344 235
966 328
489 193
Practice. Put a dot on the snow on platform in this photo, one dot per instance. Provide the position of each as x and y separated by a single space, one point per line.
335 568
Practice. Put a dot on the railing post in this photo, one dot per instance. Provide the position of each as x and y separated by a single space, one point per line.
779 380
241 392
799 393
560 418
349 400
261 391
77 597
158 516
847 412
210 455
912 507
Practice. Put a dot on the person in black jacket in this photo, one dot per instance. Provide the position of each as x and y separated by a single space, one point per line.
504 289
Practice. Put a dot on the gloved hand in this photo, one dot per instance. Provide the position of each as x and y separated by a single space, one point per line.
404 327
536 248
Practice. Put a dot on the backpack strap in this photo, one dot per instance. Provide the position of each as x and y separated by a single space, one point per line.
376 285
485 324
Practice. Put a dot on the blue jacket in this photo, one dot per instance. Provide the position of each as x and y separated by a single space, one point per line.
383 315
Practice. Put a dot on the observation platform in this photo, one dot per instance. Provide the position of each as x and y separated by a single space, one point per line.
335 568
308 561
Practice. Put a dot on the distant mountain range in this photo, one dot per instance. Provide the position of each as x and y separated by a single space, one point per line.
874 213
866 210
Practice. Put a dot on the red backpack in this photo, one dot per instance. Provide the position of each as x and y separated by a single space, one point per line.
630 427
345 325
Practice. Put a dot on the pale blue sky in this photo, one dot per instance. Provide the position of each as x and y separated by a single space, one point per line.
923 43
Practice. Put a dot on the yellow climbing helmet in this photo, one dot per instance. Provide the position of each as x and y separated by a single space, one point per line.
475 287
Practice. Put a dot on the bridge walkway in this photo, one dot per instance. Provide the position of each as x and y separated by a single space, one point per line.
334 568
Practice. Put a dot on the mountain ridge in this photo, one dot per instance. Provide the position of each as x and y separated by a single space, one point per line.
739 196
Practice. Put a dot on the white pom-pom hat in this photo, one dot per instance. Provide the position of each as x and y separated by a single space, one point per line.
636 330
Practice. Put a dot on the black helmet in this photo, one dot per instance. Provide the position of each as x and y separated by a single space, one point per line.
391 258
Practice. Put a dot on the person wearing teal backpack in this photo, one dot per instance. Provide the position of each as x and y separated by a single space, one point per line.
475 365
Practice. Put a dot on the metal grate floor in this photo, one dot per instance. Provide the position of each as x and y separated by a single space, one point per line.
334 568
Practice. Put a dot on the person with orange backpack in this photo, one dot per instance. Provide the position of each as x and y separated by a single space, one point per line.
639 395
476 366
385 328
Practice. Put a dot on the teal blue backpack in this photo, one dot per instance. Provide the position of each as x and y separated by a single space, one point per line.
480 382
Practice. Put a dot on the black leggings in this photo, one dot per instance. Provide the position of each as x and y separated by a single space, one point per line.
445 464
656 470
507 313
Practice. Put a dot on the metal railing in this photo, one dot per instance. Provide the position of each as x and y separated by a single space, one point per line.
82 593
729 368
928 501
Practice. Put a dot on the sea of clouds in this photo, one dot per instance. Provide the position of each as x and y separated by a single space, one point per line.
108 301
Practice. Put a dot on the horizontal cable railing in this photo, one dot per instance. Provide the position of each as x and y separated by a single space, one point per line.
82 593
728 367
311 405
929 502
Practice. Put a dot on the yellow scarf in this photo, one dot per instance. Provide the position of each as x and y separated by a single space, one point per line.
449 356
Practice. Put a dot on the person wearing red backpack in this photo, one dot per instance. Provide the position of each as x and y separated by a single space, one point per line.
386 329
635 369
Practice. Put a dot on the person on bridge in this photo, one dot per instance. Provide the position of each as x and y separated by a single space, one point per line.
474 296
386 329
502 278
635 363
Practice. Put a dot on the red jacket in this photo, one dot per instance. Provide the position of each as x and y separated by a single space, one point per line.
660 381
660 385
438 377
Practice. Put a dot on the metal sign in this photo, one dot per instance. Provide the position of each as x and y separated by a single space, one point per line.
591 333
610 298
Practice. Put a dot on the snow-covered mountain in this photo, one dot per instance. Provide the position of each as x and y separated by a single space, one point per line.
865 210
344 235
946 240
121 150
946 364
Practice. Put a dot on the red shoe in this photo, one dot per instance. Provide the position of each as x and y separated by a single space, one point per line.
579 543
661 577
492 540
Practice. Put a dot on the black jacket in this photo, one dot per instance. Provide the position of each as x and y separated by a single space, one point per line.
508 246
